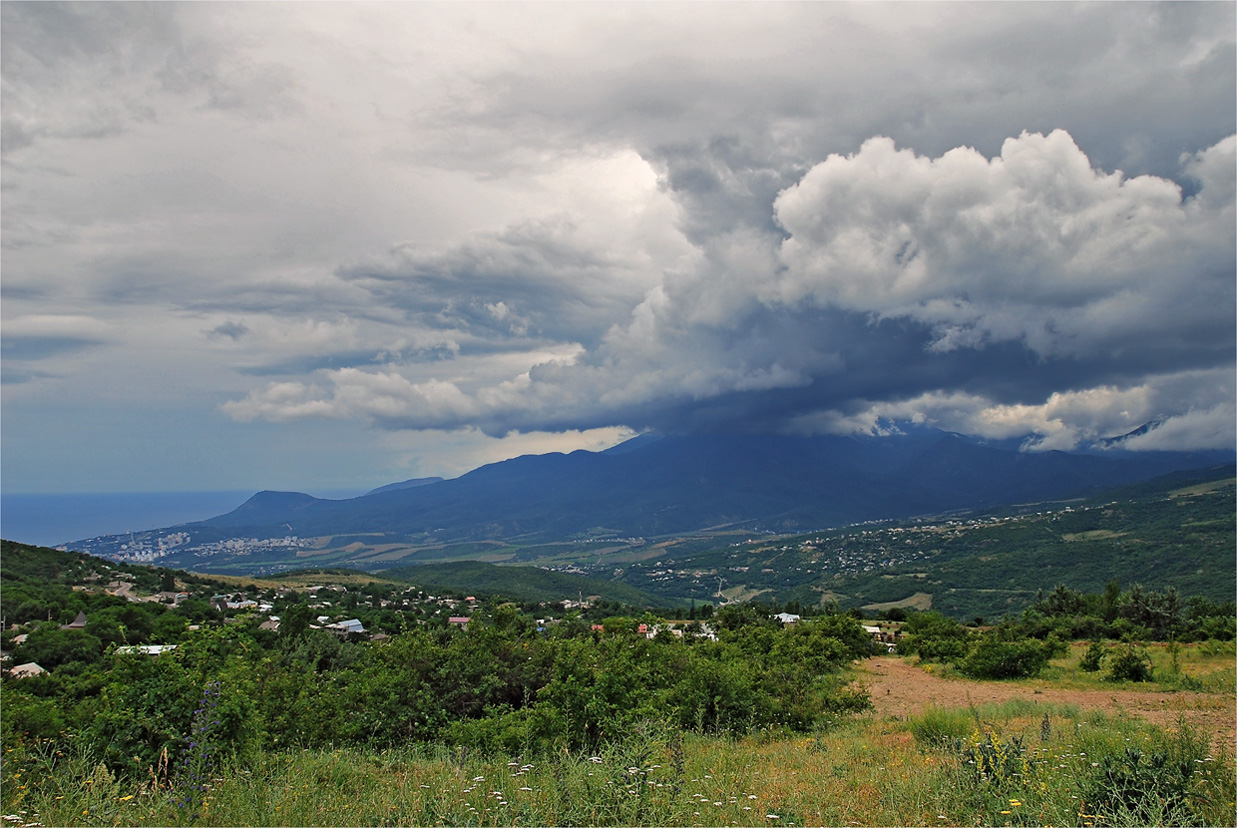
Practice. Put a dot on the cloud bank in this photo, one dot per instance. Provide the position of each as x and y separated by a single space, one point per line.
409 236
1027 293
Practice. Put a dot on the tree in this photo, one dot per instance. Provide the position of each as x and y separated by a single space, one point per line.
50 647
294 621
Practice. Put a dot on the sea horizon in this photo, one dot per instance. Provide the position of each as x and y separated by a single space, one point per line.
43 519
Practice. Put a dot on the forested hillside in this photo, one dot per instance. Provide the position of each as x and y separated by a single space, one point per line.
1175 532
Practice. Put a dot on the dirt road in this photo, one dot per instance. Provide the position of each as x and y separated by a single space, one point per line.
899 688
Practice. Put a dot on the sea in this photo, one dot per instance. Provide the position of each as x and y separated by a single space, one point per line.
55 519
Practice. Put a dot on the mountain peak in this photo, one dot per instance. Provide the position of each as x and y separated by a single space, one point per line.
1119 441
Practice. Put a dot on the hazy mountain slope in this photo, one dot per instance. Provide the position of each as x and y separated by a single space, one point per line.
404 484
685 483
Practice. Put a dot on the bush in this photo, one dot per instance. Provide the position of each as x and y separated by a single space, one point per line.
933 637
994 659
1129 663
1094 655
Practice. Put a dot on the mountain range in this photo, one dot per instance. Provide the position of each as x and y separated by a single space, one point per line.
654 486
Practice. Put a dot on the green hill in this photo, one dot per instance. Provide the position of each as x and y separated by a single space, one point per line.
523 583
1177 531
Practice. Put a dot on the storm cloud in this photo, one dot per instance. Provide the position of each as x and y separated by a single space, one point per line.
439 231
1018 280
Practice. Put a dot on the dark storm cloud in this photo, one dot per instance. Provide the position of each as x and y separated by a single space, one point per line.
891 277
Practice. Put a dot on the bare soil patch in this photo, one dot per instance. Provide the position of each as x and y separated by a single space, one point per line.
900 688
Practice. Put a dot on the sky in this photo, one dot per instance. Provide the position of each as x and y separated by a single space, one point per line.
320 246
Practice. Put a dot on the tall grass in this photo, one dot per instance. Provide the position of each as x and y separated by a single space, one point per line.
865 772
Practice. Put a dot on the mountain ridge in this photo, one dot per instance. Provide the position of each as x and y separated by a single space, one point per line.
679 483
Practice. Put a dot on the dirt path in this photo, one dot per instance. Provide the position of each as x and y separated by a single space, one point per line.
899 688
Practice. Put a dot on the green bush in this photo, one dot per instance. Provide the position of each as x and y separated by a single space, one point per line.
934 637
1129 663
995 659
1091 660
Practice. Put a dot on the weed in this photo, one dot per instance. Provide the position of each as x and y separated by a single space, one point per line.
996 761
199 757
937 727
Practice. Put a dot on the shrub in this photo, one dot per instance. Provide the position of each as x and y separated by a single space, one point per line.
933 637
1094 655
995 659
1129 663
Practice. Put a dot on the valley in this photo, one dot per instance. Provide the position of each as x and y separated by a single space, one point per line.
1175 530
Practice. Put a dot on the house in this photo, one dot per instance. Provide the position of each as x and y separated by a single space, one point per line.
26 670
78 623
888 638
346 628
460 621
706 631
787 619
145 649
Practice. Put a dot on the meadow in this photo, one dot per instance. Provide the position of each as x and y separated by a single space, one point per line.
1021 761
